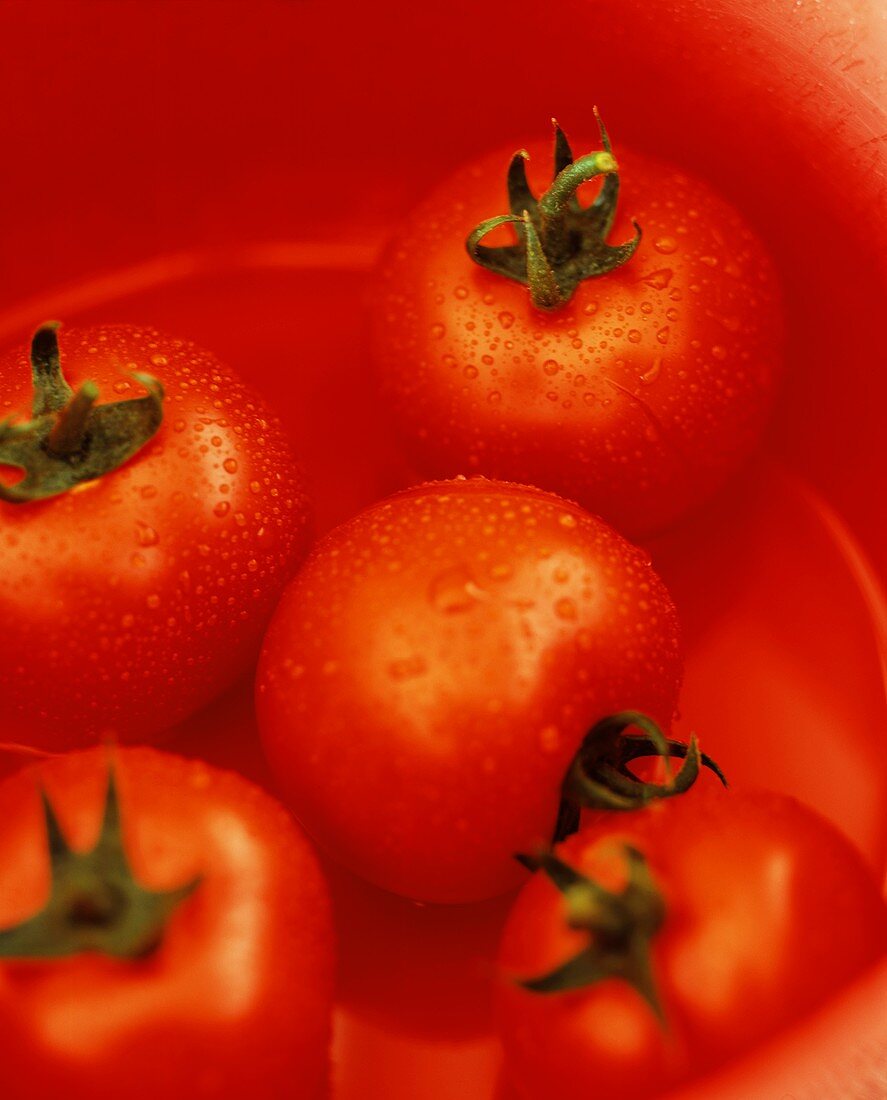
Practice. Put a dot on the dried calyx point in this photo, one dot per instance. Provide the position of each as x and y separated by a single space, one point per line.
69 439
620 926
95 903
600 778
559 243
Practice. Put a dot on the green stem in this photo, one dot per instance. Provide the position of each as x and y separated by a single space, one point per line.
621 928
69 438
51 391
559 243
68 435
554 204
599 777
95 903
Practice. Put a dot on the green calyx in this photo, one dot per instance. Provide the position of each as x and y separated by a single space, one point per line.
69 439
559 243
95 903
600 779
620 926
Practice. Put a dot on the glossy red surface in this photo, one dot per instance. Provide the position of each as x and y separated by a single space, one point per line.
228 171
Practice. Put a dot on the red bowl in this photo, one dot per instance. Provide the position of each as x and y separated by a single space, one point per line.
228 171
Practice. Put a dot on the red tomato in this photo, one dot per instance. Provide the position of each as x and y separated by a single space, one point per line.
233 997
636 398
767 912
131 600
434 667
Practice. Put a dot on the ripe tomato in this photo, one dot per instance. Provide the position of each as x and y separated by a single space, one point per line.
223 990
433 668
723 918
637 397
132 599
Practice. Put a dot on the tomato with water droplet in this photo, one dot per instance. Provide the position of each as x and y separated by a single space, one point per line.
637 394
434 667
132 598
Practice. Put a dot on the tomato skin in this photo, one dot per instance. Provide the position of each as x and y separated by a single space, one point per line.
769 911
234 1002
636 399
133 600
433 668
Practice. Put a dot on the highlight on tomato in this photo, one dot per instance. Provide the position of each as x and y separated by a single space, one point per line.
434 667
151 512
655 946
633 376
164 931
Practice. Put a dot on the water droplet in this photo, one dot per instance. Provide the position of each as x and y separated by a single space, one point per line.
551 367
634 335
494 397
501 572
566 520
158 360
718 352
652 374
407 669
179 425
565 608
461 292
145 535
255 487
549 739
470 371
127 621
122 386
230 465
222 509
153 602
663 334
252 565
438 330
506 319
454 591
709 261
666 245
590 309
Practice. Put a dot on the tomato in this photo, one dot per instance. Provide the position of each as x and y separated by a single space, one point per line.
228 997
131 599
434 667
637 396
722 919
